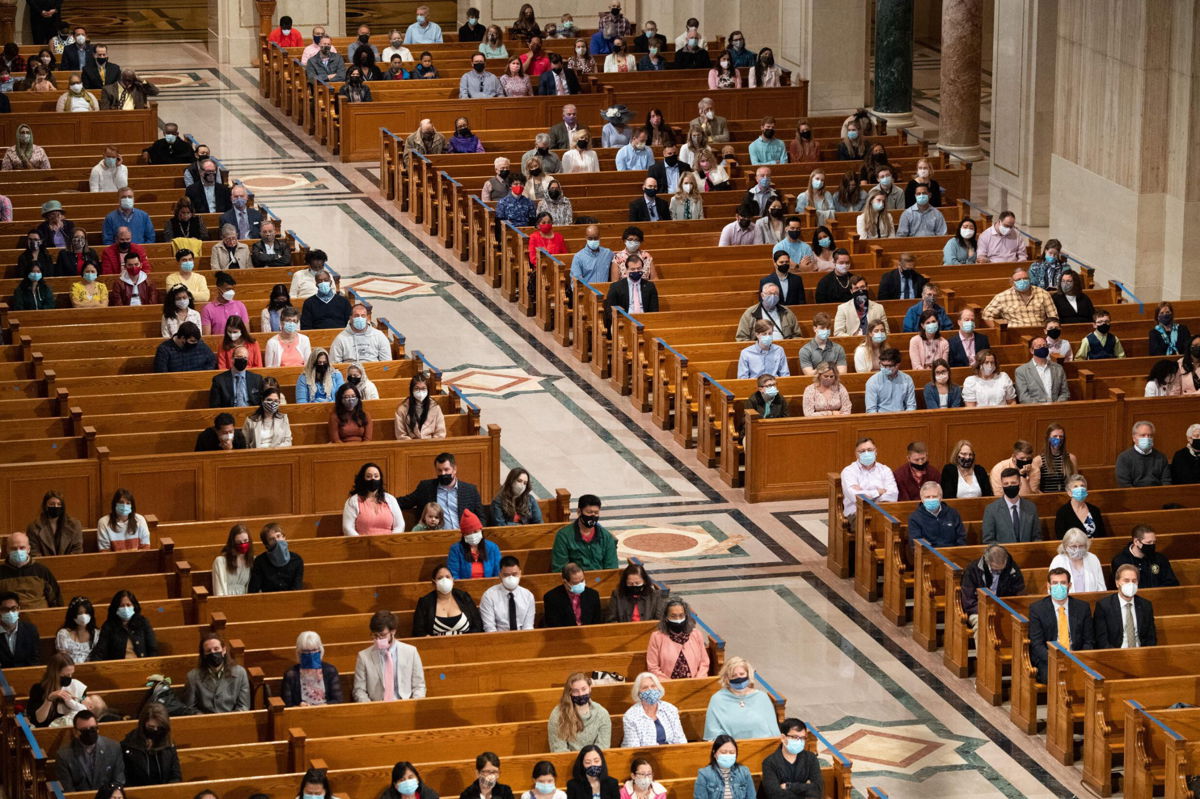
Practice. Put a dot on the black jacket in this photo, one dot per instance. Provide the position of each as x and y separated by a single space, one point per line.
658 171
1158 345
147 766
557 612
1043 627
618 297
67 264
641 43
207 441
1110 626
830 291
638 212
958 355
889 285
95 78
108 766
978 575
779 407
427 608
220 392
281 257
266 577
650 605
1154 571
74 58
1068 315
25 648
950 481
316 314
164 152
547 84
1065 519
426 492
499 791
795 290
423 792
253 216
803 777
289 690
195 193
114 635
1185 467
582 789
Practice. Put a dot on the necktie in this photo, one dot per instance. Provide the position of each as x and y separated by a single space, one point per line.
389 677
635 298
239 390
653 208
512 611
1064 630
1016 523
1130 636
243 226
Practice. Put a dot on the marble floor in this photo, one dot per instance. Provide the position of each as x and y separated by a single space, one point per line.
755 573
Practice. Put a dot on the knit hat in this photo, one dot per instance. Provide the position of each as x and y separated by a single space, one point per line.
470 523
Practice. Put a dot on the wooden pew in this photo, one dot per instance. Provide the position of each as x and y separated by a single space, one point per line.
98 127
1162 746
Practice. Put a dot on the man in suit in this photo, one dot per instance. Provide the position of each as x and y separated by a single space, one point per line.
18 638
1011 518
716 127
649 207
1041 380
209 195
573 603
451 494
667 171
90 761
964 346
558 79
238 387
904 282
1124 620
127 93
560 133
247 220
1049 615
221 436
99 71
790 283
855 316
388 669
76 55
632 294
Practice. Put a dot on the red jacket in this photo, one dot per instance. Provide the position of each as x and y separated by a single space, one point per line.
293 39
111 259
909 486
555 245
120 293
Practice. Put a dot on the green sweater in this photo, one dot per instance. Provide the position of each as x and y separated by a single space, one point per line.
597 729
569 547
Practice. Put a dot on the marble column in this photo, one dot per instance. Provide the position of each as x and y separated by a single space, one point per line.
233 25
826 40
962 39
894 62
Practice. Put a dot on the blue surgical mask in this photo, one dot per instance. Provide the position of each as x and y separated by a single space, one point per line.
9 617
822 333
1022 284
931 505
1058 591
291 327
170 137
123 508
967 326
1079 493
1145 443
825 242
313 796
279 555
794 746
187 266
1049 258
867 458
408 787
577 588
632 245
359 323
310 660
879 338
764 183
89 277
35 276
852 135
125 612
593 244
127 203
544 788
922 199
19 557
738 682
726 760
931 327
324 288
110 162
770 392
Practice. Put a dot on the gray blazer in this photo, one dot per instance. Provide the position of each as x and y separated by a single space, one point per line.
998 524
109 766
368 674
208 695
1031 390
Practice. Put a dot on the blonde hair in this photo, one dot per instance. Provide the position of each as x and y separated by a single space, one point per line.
820 370
1073 536
569 724
928 166
878 221
637 684
696 195
733 663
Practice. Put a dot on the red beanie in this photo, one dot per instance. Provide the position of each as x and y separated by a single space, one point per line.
470 522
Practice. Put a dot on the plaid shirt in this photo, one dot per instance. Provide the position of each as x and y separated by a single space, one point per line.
623 26
1009 306
169 358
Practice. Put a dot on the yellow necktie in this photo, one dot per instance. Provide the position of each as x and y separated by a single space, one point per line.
1064 630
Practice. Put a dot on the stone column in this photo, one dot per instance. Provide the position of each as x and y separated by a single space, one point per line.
894 62
827 43
962 39
8 18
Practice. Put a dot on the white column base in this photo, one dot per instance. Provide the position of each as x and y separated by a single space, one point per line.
904 119
970 152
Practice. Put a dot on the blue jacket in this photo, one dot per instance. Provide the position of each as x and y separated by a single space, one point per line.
944 530
709 784
139 225
460 563
913 317
953 400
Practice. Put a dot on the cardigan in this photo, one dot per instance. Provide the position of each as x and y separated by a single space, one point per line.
597 729
290 689
662 653
1065 519
950 481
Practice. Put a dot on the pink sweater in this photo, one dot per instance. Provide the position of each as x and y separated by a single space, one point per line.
662 652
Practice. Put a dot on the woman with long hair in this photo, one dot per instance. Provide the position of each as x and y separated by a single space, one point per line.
576 721
1055 464
58 693
319 380
231 568
217 684
515 503
370 510
54 531
237 334
77 636
126 633
348 420
419 416
875 221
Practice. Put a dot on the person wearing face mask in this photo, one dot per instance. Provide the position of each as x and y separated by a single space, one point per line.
650 721
927 345
24 154
739 709
995 570
370 510
585 541
1001 242
209 194
141 228
636 596
1058 617
270 250
590 777
237 387
1021 460
678 648
445 610
418 416
687 202
636 155
515 503
76 98
24 575
171 148
648 38
126 633
312 681
724 74
77 52
692 54
571 604
304 281
1086 572
714 127
875 221
133 287
325 63
217 684
767 149
934 521
230 253
1100 344
285 34
764 356
856 315
54 531
326 308
277 568
961 248
185 350
915 472
487 784
963 477
109 174
231 568
1040 379
127 93
1185 465
361 341
453 495
89 761
767 402
921 218
1011 518
1060 348
1168 337
407 784
319 381
267 427
633 291
18 636
904 282
557 206
1154 568
1124 620
1053 467
246 220
221 437
355 90
149 751
1022 305
349 422
890 390
741 231
33 293
507 606
1142 464
649 207
594 262
100 71
112 258
782 321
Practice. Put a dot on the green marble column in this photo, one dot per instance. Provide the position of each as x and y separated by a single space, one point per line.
894 61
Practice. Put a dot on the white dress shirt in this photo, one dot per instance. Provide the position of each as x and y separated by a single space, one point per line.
857 479
1124 602
493 607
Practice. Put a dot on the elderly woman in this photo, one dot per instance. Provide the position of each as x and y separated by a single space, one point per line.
312 681
739 708
1078 512
826 396
651 721
24 154
230 253
1086 572
676 649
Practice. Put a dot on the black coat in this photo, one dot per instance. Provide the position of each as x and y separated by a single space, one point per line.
147 766
97 77
289 690
266 577
426 610
889 285
1158 345
557 612
111 643
74 59
253 216
803 777
1153 571
1065 519
25 648
795 290
547 85
618 297
830 291
195 193
208 441
950 481
220 392
978 575
1068 315
164 152
638 212
426 492
582 789
958 354
1110 626
1043 627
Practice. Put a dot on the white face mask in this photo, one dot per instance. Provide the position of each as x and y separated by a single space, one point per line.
420 394
445 584
511 581
987 369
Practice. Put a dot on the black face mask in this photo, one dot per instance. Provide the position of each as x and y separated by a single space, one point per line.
214 660
769 133
1148 550
321 369
89 736
64 681
860 295
542 151
240 364
806 135
1012 491
364 37
464 132
1053 333
54 512
1104 328
504 173
372 485
966 463
445 479
1195 352
479 66
589 521
783 267
354 380
794 235
1023 462
676 626
776 213
671 160
650 193
636 590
